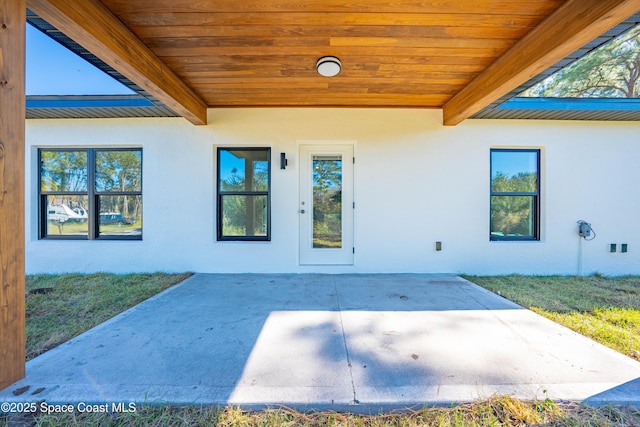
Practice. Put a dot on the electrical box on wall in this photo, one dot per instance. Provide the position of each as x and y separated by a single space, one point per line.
584 229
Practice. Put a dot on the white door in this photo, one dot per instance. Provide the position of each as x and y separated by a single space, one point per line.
326 204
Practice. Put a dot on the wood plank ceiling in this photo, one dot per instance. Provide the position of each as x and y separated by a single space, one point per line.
394 53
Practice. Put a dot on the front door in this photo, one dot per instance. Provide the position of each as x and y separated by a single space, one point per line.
326 204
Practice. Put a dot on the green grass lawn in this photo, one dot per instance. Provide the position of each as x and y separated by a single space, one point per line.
73 303
604 309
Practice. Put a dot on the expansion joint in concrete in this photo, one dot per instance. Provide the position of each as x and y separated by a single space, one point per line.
346 348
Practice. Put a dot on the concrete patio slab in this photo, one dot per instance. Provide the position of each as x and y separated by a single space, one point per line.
361 343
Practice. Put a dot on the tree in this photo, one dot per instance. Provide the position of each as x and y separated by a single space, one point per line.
246 214
327 203
611 71
119 171
510 213
64 171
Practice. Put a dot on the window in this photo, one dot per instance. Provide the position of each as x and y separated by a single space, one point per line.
90 193
515 194
244 211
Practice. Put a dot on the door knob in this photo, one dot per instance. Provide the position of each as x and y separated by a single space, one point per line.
301 211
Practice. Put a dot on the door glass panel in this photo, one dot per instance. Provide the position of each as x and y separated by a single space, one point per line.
327 201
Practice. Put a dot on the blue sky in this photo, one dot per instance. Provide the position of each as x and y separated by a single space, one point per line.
54 70
511 163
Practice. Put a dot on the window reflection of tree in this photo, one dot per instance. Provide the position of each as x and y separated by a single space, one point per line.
327 202
245 214
511 215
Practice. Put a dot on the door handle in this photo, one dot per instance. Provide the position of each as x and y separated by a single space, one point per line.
301 211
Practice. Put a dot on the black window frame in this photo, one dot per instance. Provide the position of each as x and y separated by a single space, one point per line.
92 194
535 195
221 194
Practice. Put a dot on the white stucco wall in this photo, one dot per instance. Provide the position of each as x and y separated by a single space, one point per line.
416 182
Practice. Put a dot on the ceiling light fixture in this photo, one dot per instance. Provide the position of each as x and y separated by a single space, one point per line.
328 66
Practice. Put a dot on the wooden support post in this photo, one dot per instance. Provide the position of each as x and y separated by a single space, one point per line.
12 168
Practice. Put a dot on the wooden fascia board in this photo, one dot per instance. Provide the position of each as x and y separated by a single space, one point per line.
570 27
94 27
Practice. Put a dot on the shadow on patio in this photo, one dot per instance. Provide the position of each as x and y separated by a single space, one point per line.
357 342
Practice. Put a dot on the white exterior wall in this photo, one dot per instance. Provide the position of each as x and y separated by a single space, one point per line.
416 182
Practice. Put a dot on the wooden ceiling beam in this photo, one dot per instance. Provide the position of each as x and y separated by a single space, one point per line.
95 28
570 27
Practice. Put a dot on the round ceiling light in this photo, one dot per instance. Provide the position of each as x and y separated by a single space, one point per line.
328 66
